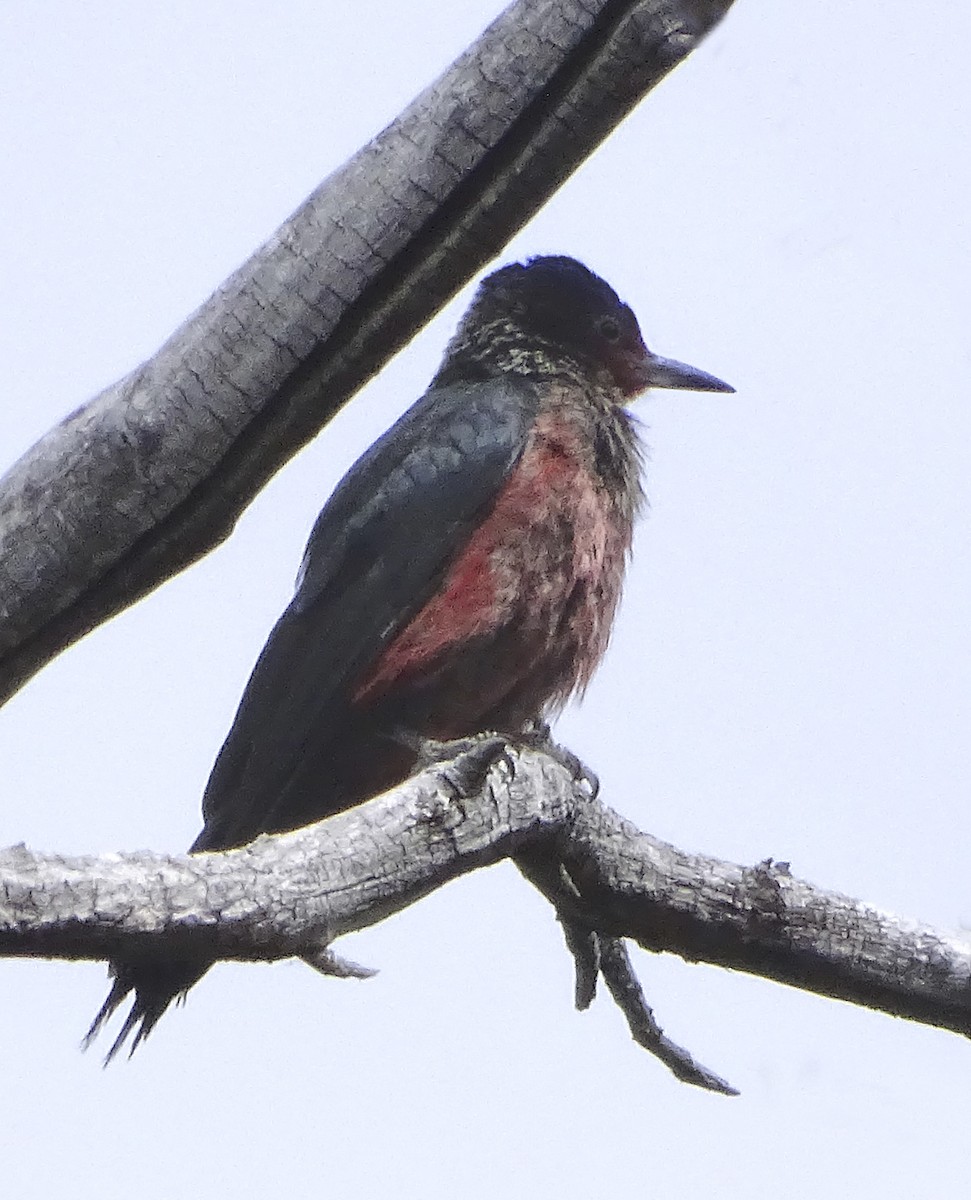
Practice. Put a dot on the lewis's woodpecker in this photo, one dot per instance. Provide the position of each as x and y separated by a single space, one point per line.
462 578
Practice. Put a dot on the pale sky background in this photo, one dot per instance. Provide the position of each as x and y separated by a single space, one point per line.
790 675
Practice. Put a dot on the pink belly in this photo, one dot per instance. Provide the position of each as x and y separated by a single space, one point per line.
523 615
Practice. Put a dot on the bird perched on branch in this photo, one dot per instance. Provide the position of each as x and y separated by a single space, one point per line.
462 578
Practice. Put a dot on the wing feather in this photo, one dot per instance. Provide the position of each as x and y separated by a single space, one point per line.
376 553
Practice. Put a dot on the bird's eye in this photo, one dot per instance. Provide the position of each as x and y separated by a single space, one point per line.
609 329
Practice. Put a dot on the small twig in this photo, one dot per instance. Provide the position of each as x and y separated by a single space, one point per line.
551 878
328 963
597 953
618 973
584 945
288 894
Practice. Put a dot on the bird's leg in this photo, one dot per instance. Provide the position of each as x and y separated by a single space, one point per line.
537 735
468 758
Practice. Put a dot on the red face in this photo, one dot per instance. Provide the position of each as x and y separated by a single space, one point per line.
562 302
566 309
618 344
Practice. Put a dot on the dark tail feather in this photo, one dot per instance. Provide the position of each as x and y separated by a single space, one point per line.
155 986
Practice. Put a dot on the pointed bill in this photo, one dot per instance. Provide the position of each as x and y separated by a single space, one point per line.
669 373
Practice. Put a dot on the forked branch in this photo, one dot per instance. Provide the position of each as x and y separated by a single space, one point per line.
293 894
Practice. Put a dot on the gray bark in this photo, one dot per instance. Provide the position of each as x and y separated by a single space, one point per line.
292 894
154 472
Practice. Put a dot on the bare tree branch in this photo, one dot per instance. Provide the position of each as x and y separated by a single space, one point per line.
154 472
293 894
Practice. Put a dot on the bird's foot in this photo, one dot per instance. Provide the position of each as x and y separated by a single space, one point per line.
538 736
480 750
468 758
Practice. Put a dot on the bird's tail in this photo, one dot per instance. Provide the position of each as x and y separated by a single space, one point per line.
155 986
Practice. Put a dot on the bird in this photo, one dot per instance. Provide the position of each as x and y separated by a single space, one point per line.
462 578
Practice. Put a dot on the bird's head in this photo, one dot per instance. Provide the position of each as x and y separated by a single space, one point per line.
550 309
